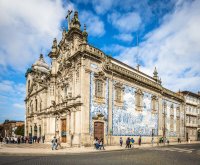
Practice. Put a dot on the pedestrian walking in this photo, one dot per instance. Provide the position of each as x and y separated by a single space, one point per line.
128 142
131 142
43 138
58 143
1 139
152 141
54 143
140 140
101 144
121 141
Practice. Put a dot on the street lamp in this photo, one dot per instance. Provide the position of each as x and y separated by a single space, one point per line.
164 129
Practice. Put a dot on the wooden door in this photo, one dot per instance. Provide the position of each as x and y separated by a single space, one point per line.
63 131
99 130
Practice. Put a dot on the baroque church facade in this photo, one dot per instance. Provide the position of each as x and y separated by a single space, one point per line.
86 94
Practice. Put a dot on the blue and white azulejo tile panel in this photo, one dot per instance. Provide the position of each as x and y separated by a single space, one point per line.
127 121
97 108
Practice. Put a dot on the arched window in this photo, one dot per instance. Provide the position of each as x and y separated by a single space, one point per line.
40 105
35 104
99 88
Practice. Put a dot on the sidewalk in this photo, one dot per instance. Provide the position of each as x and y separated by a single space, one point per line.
75 150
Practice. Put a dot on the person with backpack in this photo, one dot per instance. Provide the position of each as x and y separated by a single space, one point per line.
54 143
131 142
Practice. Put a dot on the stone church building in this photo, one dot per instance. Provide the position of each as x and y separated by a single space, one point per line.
86 94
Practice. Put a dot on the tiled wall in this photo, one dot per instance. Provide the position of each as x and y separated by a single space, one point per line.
96 108
128 122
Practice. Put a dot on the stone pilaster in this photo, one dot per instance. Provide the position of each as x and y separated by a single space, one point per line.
160 106
110 95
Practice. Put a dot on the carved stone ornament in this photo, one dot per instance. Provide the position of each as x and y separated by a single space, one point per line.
119 85
139 92
100 75
99 116
107 63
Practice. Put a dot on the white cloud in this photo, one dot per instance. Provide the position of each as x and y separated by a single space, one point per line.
27 28
124 37
12 97
95 27
128 22
102 6
19 106
173 48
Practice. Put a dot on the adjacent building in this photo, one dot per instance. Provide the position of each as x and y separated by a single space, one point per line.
86 94
7 129
192 113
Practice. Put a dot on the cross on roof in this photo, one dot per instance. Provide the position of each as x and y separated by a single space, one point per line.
68 17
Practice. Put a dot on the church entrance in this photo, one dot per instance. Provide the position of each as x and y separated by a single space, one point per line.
63 130
99 130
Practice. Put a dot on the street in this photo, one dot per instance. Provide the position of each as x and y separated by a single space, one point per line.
179 154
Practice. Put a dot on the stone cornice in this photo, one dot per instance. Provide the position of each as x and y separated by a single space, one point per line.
171 94
137 78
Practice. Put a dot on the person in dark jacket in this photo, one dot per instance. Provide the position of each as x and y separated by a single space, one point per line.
140 140
128 142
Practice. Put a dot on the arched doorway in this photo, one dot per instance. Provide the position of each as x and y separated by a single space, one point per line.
198 135
35 130
98 130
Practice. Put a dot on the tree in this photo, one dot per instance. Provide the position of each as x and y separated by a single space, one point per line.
20 130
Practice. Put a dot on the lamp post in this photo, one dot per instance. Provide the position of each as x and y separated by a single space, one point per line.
164 129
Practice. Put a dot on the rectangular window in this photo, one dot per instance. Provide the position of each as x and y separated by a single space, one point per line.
99 88
118 94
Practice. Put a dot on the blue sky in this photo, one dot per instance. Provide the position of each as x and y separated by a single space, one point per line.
167 31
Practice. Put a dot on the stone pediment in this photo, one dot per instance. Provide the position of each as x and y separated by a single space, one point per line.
99 116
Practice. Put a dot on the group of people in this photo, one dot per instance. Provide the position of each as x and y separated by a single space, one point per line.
130 142
21 139
55 143
98 143
163 140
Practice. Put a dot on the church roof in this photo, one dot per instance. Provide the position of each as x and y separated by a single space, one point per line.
41 65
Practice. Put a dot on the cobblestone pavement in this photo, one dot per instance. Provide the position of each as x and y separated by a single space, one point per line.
142 156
